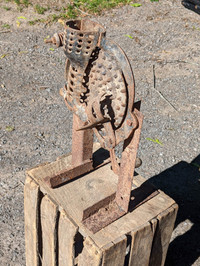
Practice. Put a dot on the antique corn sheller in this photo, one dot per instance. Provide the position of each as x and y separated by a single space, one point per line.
99 90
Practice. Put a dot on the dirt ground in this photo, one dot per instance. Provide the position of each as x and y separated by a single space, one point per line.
35 125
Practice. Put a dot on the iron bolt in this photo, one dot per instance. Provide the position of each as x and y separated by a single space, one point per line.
129 122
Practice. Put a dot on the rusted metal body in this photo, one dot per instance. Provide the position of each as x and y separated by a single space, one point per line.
99 90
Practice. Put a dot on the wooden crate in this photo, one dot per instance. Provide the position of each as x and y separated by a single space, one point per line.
54 233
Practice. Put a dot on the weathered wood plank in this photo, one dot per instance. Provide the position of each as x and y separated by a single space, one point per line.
141 244
114 252
49 215
66 234
31 202
162 236
102 180
135 219
90 255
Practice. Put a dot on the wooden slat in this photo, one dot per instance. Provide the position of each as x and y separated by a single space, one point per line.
31 201
141 244
114 253
133 220
162 236
90 254
66 234
49 213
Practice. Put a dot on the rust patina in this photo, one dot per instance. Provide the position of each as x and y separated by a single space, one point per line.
99 90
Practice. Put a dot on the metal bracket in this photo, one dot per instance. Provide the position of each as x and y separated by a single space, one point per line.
107 212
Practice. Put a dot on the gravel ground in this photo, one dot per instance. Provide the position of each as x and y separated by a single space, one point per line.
166 37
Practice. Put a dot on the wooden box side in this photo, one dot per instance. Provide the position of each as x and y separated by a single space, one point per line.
138 228
31 216
147 245
49 234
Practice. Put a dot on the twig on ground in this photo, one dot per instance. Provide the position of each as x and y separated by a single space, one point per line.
16 186
160 94
182 61
5 42
167 101
5 31
154 77
82 11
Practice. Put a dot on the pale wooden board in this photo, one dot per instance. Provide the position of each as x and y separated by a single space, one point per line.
49 215
163 234
141 244
66 234
114 253
91 255
79 194
138 180
31 202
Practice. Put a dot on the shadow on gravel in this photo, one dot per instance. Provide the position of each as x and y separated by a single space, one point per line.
181 182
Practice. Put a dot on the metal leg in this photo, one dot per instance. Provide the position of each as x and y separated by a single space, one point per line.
114 163
82 143
82 147
119 203
127 166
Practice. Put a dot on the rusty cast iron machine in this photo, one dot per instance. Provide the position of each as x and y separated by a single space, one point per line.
99 90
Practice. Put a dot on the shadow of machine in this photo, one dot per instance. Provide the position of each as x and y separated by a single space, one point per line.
182 183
